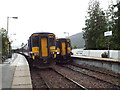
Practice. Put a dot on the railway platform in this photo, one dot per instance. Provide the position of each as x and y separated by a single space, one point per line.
106 63
16 74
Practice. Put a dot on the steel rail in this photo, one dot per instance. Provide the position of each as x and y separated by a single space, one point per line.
95 70
79 85
45 81
91 76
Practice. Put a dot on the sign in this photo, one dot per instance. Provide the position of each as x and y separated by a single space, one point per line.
108 33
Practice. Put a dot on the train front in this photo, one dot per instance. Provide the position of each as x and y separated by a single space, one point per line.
42 49
64 53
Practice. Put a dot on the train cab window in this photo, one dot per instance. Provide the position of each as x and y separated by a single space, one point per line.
35 41
68 44
51 41
58 44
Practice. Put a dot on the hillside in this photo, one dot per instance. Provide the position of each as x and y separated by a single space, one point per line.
77 40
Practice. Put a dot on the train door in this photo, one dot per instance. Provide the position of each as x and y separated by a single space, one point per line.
44 47
63 48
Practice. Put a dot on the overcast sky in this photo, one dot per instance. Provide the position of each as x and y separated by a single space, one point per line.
56 16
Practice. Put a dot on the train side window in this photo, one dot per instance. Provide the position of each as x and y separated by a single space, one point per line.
35 41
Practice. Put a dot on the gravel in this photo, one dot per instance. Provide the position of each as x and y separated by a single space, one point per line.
102 76
102 70
84 80
53 79
37 81
41 77
56 81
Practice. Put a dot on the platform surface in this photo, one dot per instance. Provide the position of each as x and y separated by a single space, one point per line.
22 78
16 73
96 58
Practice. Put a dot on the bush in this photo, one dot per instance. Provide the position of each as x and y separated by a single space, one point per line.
104 55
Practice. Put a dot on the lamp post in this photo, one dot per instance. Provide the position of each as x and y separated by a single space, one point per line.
8 22
67 33
7 31
108 34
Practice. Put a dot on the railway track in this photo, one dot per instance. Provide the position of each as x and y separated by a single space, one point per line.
66 77
37 80
96 69
50 78
107 76
71 80
85 80
103 77
44 81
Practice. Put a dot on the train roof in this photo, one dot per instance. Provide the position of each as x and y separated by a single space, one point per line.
41 33
63 39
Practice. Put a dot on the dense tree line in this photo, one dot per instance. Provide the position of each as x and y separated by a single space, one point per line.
99 21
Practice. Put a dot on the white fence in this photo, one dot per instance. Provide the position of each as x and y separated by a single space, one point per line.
115 54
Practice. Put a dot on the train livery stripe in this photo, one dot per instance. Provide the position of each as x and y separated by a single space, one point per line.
44 47
63 48
35 35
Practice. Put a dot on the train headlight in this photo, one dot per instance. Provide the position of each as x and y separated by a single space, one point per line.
58 52
36 53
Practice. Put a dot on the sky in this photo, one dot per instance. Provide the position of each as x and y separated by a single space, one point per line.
56 16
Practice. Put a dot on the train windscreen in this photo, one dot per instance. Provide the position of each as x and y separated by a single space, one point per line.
52 41
35 41
68 44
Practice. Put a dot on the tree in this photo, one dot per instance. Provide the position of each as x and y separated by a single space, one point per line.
96 25
97 22
113 18
116 28
5 42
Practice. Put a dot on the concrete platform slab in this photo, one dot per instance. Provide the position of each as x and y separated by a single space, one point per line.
15 62
22 77
22 68
21 73
23 87
21 81
95 58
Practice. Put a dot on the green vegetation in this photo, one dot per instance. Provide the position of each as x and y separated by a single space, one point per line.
4 42
83 70
99 21
74 47
104 55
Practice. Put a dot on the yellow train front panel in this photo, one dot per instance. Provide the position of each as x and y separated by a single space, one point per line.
63 48
44 47
35 49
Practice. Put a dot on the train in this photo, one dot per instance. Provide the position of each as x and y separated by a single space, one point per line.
42 49
63 46
45 50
